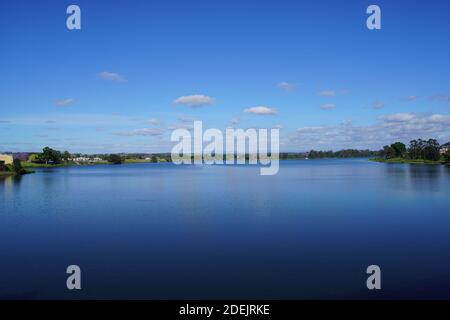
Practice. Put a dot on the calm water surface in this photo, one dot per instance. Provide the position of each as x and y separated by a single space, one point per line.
165 231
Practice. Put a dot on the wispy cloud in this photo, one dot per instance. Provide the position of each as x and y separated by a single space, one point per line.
181 126
327 93
141 132
440 97
195 100
328 106
286 86
5 121
186 119
152 121
261 110
388 128
333 93
111 76
64 102
234 121
377 105
410 98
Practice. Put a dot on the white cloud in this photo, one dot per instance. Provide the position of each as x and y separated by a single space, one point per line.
311 129
234 121
261 110
440 97
186 119
195 100
141 132
378 105
111 76
410 98
64 102
327 106
327 93
390 128
398 117
152 121
181 126
286 86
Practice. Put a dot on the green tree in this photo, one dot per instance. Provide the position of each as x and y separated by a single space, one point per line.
35 158
115 159
66 155
388 152
17 167
431 150
399 149
415 149
154 159
50 155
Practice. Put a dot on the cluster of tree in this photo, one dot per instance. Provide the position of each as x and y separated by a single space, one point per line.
115 159
17 167
167 157
347 153
50 156
418 150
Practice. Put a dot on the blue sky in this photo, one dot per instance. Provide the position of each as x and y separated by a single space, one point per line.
323 77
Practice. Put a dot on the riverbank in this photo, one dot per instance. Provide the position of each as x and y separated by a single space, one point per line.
26 164
12 173
406 161
6 173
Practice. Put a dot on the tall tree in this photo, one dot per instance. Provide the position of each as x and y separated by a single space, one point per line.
388 152
50 155
399 149
431 150
115 159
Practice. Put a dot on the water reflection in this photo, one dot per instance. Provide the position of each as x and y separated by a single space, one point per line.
416 177
164 231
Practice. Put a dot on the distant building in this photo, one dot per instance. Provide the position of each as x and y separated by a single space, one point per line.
5 159
85 159
444 148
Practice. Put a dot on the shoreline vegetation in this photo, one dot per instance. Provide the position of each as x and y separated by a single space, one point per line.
419 152
14 169
407 161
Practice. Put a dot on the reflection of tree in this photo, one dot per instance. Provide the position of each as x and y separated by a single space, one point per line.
425 176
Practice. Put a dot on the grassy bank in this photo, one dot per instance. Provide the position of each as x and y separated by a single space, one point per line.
136 161
408 161
12 173
6 173
26 164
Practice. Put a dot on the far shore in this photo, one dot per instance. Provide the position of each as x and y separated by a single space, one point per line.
30 165
407 161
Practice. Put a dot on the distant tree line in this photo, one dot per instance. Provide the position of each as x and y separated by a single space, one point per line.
346 153
52 156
